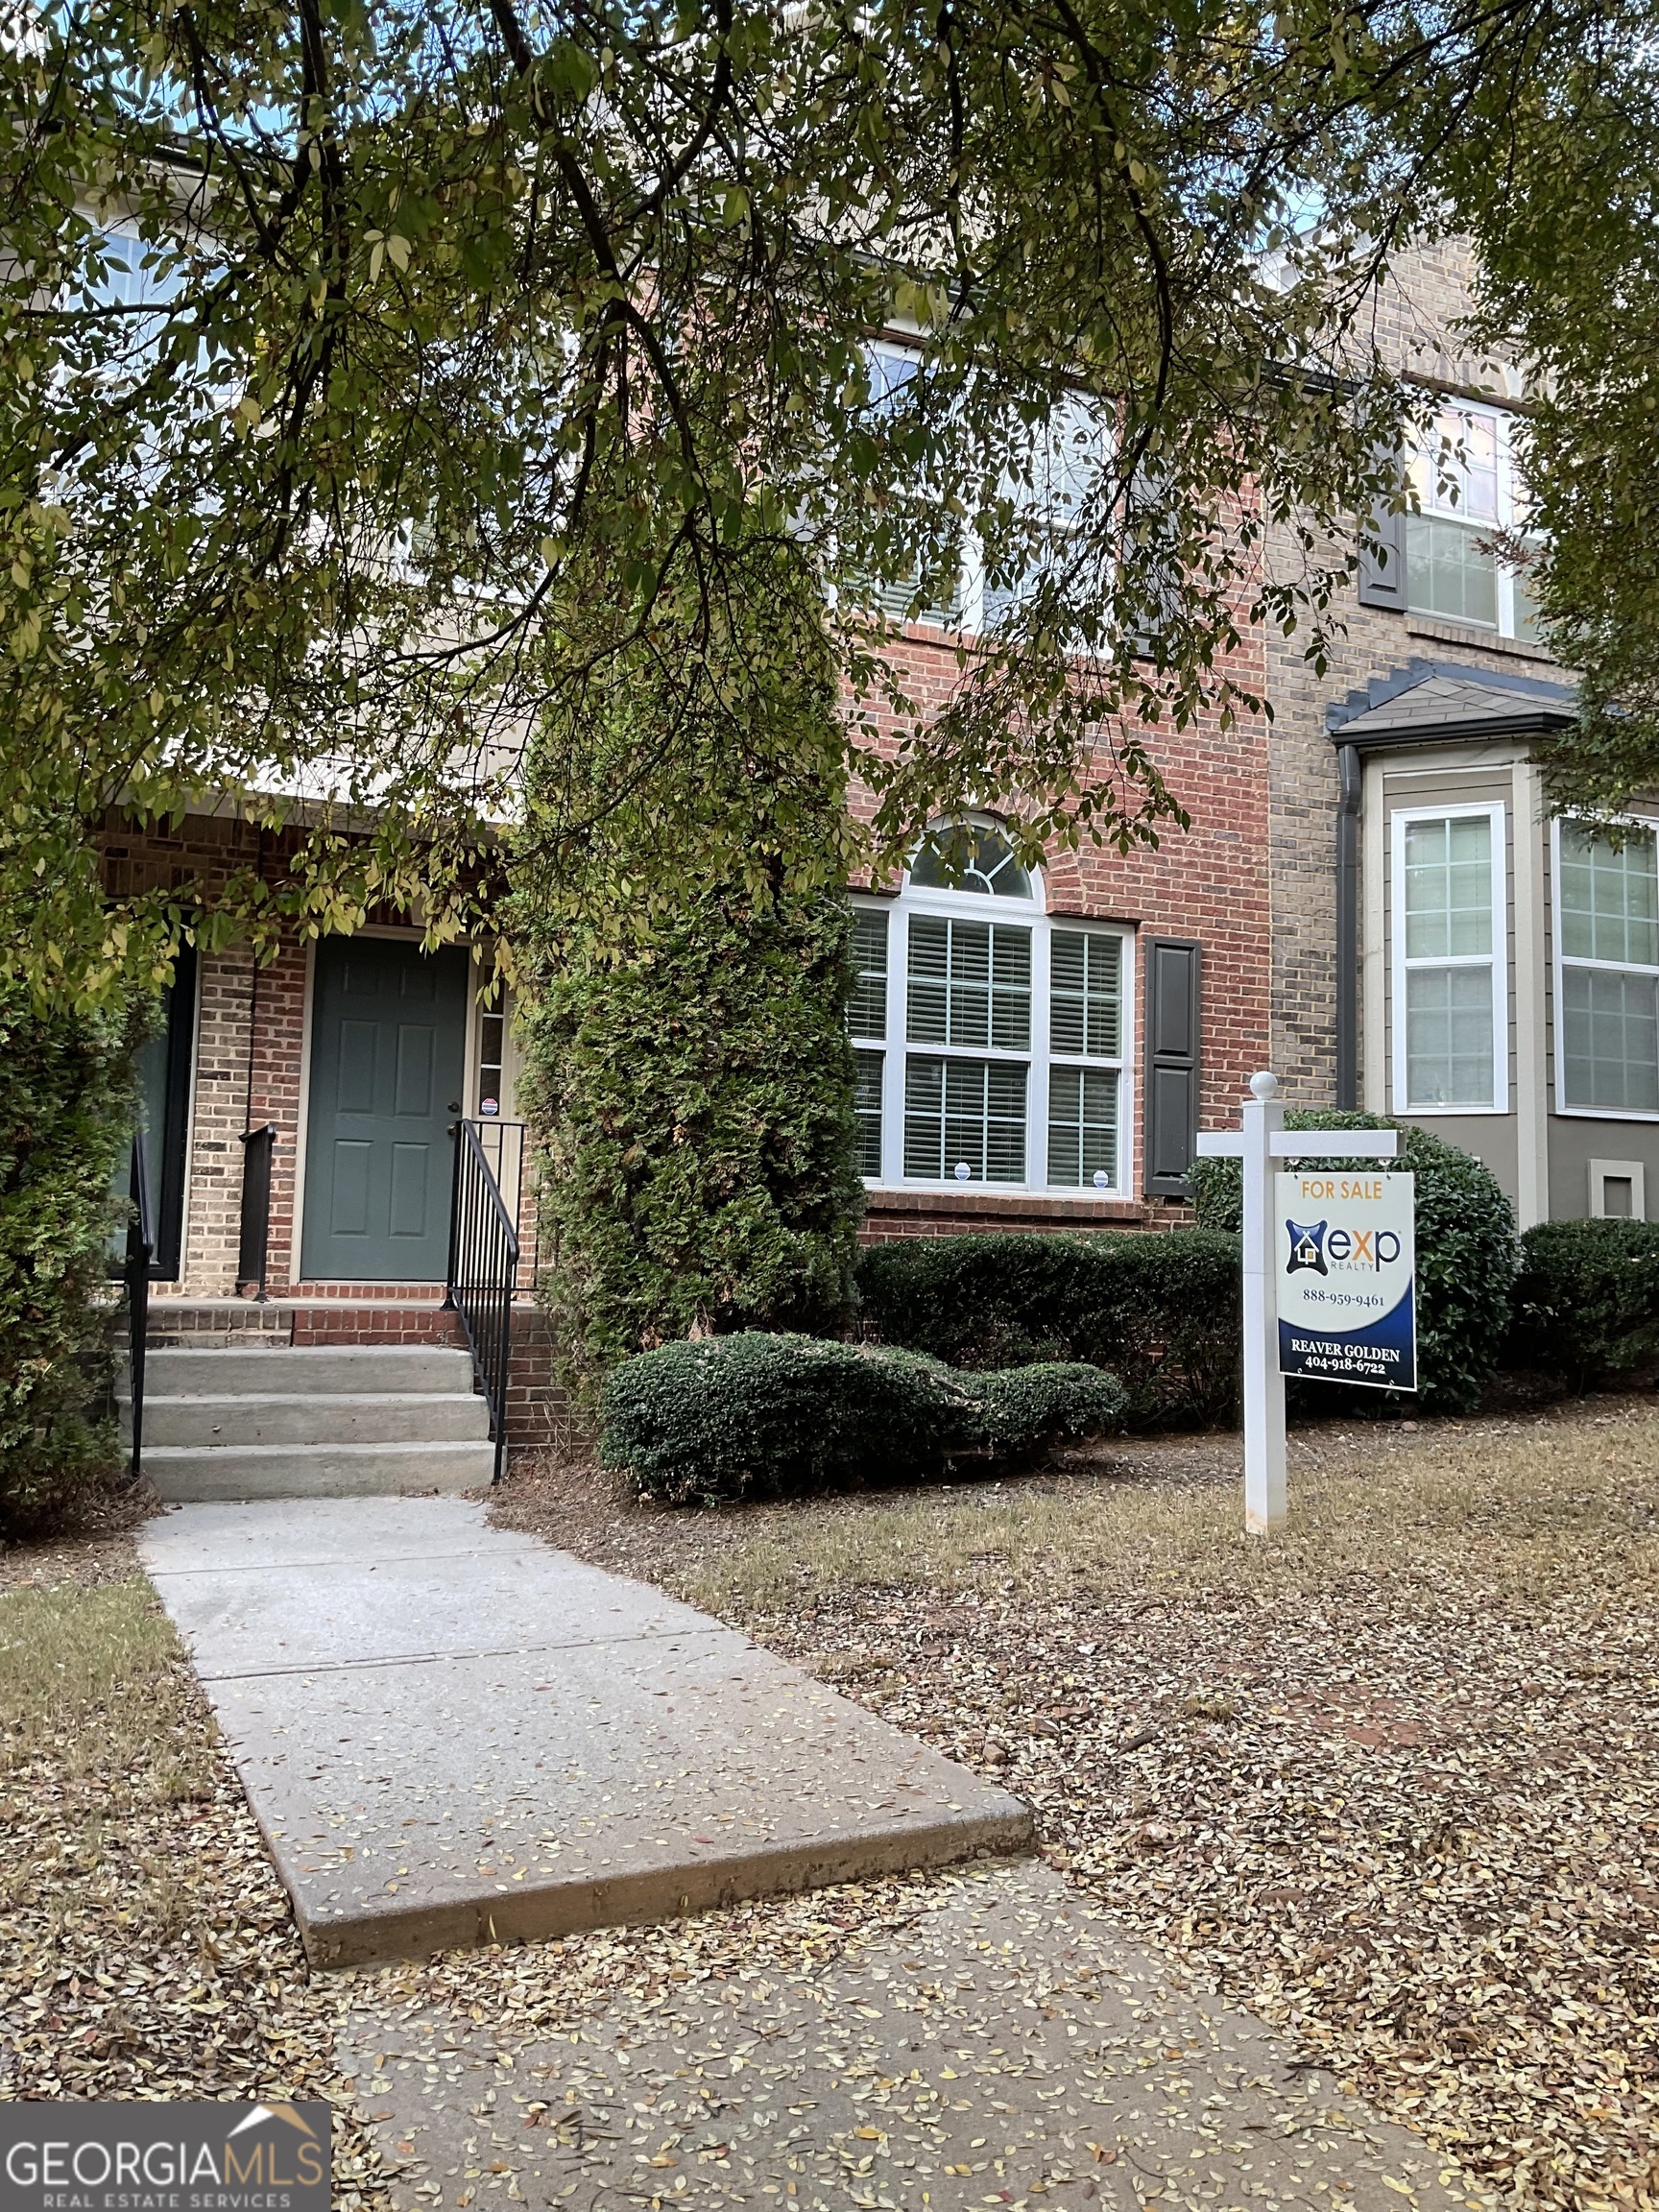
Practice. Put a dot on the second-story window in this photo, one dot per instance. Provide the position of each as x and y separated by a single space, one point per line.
128 304
1046 496
891 371
1467 492
1049 493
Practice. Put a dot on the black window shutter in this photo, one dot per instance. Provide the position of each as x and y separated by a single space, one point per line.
1383 560
1173 965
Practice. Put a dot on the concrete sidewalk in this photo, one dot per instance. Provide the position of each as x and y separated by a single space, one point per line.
1008 2046
452 1734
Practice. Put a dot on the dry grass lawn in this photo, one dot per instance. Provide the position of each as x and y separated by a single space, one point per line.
1391 1778
1525 1511
148 1948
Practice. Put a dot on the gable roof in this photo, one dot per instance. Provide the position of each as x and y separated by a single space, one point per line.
1438 699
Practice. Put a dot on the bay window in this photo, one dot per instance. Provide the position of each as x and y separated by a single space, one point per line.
991 1040
1608 970
1451 1032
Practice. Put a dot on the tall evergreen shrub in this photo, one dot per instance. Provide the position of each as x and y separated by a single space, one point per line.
689 1079
66 1109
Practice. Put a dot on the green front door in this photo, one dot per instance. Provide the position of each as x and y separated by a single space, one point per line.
388 1055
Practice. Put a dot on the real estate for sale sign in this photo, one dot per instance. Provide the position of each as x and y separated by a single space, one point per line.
1346 1269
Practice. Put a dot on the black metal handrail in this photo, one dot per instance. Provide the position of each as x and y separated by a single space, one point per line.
253 1240
140 1251
483 1271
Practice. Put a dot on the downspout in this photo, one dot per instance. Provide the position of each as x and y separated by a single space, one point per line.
1349 787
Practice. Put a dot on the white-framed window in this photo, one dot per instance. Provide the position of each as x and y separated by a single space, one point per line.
1467 491
1058 477
891 368
992 1040
1607 970
1450 983
1047 490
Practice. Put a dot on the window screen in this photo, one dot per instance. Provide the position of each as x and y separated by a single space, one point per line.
970 983
1082 1126
1086 993
867 1073
867 1016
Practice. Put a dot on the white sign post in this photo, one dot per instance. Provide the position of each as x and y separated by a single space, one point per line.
1259 1146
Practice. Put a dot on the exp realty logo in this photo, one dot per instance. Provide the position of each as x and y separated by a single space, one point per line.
164 2158
1313 1245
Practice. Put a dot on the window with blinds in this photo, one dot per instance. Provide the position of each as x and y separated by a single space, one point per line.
1004 1034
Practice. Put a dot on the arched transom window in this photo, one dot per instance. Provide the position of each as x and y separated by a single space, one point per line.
992 1038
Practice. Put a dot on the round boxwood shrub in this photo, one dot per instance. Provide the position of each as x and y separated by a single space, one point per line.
755 1415
1587 1300
1025 1409
1466 1255
1160 1312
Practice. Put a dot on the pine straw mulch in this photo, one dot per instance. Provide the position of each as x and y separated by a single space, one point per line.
1389 1778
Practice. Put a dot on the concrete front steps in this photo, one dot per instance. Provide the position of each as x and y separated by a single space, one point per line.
353 1421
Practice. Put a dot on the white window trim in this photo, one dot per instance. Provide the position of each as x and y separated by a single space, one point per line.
1503 420
970 609
894 1046
1561 961
1495 814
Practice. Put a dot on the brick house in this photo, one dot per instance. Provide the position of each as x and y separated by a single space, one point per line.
1369 899
1080 1023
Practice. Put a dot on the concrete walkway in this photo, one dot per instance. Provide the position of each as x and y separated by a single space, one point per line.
1006 2047
452 1734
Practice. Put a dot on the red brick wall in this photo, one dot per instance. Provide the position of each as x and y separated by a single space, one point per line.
338 1323
185 1320
892 1214
540 1416
1210 881
278 1047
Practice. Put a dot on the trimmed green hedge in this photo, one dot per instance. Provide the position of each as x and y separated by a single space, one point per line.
1161 1311
1587 1299
760 1416
1465 1263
